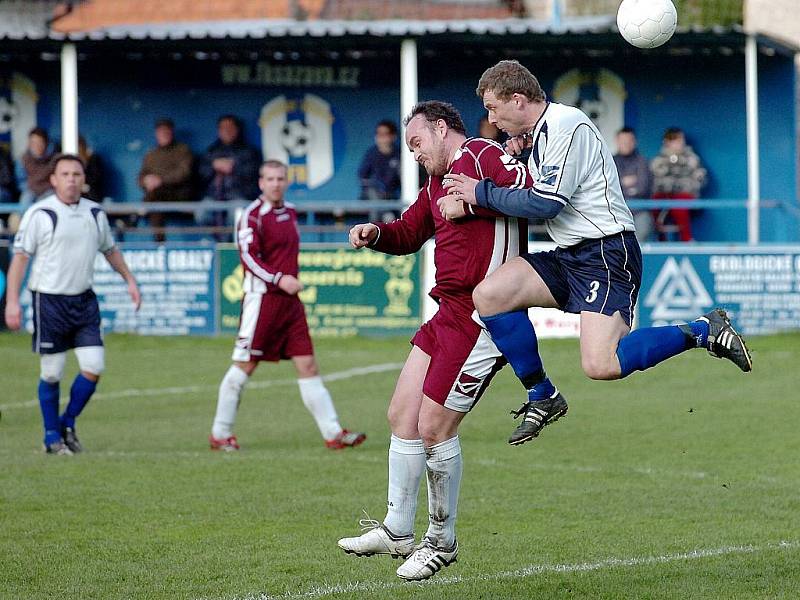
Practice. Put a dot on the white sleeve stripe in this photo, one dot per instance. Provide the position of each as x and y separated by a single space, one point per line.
244 249
549 195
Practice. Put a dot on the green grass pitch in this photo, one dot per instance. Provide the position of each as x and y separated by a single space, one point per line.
681 482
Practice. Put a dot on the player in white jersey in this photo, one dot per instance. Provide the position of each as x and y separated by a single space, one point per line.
597 268
63 233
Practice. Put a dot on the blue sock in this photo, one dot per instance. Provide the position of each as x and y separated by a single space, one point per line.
644 348
514 336
48 402
79 394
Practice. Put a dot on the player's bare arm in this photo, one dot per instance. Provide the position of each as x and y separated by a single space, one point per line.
16 272
363 234
290 284
461 187
117 262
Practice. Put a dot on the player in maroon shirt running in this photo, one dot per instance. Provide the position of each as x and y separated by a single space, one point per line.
273 323
452 359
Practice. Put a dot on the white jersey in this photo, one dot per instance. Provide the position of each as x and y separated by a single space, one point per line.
571 163
63 241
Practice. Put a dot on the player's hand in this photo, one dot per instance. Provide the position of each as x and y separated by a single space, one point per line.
451 207
518 143
290 284
461 187
136 296
13 316
363 234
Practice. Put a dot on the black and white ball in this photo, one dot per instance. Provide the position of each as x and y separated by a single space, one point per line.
296 138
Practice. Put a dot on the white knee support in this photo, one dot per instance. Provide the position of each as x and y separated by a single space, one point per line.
91 359
52 367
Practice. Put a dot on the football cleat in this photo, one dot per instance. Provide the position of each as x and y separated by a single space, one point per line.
426 560
58 448
346 439
71 440
537 415
226 445
376 539
724 341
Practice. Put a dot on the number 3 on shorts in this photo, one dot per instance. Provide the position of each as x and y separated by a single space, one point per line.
593 287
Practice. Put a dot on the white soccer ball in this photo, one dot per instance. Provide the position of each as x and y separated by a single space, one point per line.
647 23
295 138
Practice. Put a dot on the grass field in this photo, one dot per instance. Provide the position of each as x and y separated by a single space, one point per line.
677 483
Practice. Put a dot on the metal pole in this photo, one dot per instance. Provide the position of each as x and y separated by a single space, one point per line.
409 179
69 98
753 183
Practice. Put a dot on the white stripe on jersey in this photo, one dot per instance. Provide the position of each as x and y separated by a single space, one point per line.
243 239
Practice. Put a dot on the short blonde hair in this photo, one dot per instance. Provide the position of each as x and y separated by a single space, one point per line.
509 77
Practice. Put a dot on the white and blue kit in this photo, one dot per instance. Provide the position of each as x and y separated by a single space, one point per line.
63 241
597 266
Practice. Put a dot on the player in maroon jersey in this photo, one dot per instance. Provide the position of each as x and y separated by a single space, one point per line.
452 359
273 323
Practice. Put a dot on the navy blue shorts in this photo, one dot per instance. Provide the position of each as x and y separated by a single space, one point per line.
64 322
601 276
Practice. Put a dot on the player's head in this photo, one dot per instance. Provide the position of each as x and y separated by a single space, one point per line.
507 89
229 128
68 177
165 132
626 141
433 130
273 180
385 136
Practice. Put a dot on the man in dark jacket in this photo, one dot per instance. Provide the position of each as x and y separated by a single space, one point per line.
635 178
8 181
379 172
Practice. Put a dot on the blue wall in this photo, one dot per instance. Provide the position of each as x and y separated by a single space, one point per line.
702 94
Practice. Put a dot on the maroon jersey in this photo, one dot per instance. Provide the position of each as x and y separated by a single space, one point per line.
269 243
470 248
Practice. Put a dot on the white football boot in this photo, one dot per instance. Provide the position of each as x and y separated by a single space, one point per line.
426 560
376 539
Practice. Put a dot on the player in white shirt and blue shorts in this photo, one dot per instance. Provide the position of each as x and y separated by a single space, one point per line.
62 233
595 271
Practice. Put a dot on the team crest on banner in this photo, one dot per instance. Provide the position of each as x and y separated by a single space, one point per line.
599 93
18 99
301 131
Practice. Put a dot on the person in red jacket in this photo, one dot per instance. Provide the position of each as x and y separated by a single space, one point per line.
272 324
452 359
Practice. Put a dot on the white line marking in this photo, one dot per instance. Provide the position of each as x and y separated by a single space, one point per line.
196 389
531 570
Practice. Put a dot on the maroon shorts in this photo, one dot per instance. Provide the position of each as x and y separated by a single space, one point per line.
272 327
463 357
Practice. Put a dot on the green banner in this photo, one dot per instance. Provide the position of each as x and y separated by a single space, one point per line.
346 293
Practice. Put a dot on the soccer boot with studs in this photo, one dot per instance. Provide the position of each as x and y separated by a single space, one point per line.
536 415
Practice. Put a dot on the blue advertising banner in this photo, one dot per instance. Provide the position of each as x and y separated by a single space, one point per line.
758 286
177 285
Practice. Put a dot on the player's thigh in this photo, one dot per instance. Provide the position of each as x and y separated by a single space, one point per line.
514 286
437 423
407 397
600 336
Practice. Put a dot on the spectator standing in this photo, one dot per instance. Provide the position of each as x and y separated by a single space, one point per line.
36 167
229 167
166 175
635 178
379 172
8 180
94 187
678 174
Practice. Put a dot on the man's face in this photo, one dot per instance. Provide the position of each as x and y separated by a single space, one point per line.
426 141
273 183
626 143
37 145
67 180
385 139
507 115
227 131
164 135
676 143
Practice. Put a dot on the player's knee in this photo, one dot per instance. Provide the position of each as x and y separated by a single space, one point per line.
485 298
91 359
52 367
597 367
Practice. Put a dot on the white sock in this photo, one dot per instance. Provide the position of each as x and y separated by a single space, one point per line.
230 393
444 466
406 466
319 403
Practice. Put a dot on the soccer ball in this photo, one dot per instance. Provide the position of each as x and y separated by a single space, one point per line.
647 23
295 138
